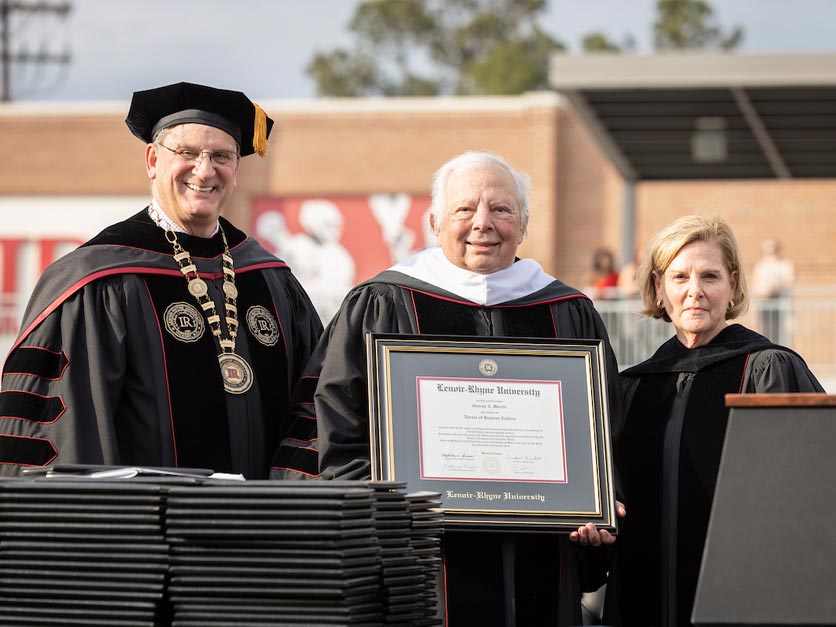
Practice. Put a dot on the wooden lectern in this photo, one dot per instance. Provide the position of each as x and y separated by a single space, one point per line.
770 551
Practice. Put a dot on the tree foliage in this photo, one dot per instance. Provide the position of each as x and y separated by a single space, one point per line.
430 47
599 42
690 24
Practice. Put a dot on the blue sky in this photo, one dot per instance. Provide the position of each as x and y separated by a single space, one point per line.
262 46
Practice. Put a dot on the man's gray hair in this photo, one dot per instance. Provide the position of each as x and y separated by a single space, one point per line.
477 159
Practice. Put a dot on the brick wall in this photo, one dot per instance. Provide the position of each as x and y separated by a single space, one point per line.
368 146
800 214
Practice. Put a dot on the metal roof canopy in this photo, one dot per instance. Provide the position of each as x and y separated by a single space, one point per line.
777 112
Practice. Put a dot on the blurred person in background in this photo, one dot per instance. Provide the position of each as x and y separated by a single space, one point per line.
628 276
602 280
772 280
668 447
170 339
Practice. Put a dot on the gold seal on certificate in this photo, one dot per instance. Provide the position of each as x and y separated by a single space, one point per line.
491 464
488 367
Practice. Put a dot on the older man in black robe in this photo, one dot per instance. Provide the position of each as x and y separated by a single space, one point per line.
473 284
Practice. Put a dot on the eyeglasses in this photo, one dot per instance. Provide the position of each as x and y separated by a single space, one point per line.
193 155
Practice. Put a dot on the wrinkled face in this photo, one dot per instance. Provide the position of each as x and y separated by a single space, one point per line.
480 226
192 193
696 290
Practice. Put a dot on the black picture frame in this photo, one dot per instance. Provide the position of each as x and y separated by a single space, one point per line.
513 433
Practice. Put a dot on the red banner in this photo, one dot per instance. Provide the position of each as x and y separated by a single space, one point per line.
334 242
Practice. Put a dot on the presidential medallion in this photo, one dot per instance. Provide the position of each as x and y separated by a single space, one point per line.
236 372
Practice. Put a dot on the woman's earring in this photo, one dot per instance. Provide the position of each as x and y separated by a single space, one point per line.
660 304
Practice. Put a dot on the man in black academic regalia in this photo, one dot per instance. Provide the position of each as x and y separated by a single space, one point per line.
473 284
170 339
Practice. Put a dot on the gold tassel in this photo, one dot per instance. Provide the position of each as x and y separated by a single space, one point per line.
260 131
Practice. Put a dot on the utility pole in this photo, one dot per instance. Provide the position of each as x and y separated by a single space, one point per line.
7 57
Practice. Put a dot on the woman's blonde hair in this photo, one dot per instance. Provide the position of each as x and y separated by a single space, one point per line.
667 243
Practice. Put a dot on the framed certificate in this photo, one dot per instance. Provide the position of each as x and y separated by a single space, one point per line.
512 432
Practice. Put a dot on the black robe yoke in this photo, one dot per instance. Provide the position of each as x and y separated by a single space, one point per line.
116 363
550 571
668 453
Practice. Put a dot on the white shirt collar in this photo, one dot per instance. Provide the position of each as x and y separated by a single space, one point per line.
166 223
522 278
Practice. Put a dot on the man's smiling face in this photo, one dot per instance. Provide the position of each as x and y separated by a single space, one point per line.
193 194
481 223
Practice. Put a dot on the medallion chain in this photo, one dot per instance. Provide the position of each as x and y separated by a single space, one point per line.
236 372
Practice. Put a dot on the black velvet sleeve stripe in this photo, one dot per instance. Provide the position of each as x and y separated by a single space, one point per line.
37 362
304 390
303 460
32 407
25 451
302 429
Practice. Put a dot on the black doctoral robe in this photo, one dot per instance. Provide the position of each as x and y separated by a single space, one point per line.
551 572
668 453
116 364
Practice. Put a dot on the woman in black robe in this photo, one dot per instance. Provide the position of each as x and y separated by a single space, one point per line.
668 447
